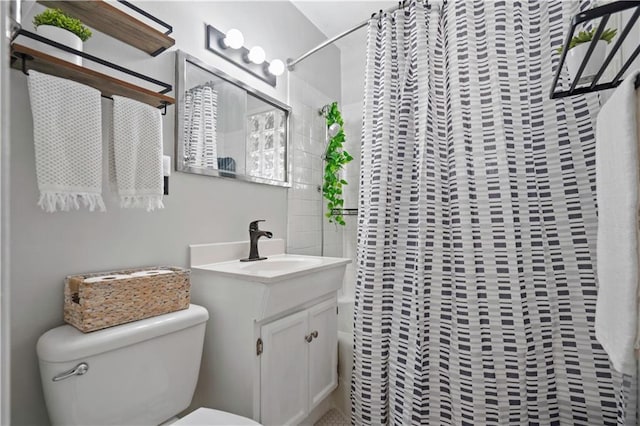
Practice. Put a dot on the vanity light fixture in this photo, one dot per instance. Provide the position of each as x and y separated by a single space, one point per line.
256 55
233 39
229 45
276 67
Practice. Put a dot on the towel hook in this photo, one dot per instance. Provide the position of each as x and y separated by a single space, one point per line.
164 108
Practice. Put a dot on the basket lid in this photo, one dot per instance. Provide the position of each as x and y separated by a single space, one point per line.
66 343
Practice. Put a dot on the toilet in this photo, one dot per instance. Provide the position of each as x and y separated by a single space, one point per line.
140 373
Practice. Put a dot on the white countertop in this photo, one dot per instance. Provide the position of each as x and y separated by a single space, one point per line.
275 268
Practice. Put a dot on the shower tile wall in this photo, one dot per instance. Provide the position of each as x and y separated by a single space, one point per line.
305 200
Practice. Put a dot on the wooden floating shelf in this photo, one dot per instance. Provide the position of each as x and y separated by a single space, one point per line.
104 17
108 85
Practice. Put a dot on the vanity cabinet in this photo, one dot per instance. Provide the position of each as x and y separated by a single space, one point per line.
298 368
270 348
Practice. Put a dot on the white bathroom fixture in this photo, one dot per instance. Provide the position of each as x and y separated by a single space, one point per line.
271 346
256 55
233 39
230 46
276 268
276 67
140 373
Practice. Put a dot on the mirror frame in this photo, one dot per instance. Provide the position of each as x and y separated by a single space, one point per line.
182 58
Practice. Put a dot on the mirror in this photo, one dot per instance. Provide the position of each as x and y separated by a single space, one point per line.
225 128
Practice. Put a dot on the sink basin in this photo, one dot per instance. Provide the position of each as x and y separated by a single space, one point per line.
279 264
275 268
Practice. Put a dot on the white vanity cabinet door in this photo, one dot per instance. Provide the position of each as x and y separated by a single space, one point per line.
323 351
283 371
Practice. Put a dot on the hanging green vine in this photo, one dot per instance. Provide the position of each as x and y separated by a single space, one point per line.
336 157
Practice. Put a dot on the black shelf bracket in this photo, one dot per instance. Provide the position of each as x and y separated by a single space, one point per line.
603 13
169 28
166 87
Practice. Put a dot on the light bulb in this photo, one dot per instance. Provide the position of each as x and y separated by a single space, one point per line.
257 55
234 39
276 67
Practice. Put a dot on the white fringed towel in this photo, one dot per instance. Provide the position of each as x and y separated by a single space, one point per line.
67 131
617 252
137 146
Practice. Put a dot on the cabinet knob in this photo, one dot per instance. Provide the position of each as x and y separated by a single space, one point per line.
311 336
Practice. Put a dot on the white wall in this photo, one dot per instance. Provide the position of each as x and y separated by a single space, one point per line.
5 342
46 247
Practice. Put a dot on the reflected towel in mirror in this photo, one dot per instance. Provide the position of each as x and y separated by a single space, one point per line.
200 133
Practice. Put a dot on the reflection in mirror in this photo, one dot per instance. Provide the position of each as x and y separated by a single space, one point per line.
224 128
266 143
200 121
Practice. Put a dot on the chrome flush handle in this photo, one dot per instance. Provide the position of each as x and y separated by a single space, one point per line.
78 370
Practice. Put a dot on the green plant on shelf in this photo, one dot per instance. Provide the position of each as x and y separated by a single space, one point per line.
335 158
586 36
58 18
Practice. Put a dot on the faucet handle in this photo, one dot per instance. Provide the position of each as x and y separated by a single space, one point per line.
253 226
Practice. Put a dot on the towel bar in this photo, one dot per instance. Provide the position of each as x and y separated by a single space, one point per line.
26 72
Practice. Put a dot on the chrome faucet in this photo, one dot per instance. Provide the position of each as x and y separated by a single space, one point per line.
254 236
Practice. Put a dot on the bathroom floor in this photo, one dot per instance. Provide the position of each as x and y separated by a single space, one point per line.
333 418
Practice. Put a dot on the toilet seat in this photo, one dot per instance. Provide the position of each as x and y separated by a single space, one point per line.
211 417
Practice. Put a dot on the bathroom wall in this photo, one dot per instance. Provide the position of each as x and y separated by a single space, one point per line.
46 247
5 329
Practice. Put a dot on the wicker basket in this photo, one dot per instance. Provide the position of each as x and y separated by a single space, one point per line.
98 305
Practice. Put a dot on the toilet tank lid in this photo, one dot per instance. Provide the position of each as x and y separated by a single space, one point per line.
66 343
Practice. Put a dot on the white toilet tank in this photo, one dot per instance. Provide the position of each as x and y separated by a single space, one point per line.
140 373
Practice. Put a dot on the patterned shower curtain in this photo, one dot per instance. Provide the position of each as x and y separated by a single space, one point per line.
476 291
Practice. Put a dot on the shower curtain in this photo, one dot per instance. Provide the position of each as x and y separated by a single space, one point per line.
200 122
476 292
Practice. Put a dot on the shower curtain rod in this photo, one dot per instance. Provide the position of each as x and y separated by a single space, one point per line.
291 63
